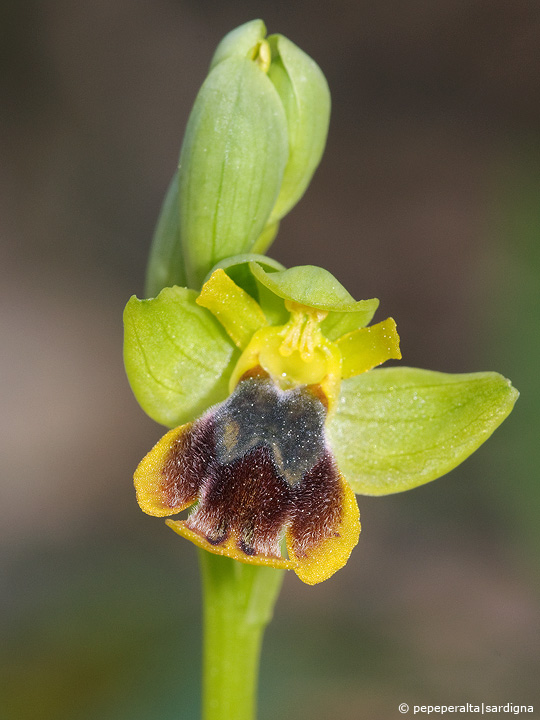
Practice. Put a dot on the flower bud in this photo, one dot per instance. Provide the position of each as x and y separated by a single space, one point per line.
231 166
305 96
240 41
253 141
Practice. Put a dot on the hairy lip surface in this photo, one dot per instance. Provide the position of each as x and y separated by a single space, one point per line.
257 463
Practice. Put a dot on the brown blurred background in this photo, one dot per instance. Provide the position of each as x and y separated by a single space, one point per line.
428 197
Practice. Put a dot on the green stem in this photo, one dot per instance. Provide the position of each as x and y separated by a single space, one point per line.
238 604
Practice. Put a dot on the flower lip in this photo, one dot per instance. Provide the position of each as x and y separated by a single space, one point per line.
259 469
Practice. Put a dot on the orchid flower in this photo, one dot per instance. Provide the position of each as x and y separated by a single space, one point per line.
282 417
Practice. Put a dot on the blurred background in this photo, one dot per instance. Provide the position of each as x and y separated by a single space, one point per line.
428 197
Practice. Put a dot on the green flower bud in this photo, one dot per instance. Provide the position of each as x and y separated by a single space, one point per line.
253 141
305 96
240 42
232 163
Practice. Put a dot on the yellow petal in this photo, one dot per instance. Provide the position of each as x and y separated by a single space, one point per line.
366 348
238 312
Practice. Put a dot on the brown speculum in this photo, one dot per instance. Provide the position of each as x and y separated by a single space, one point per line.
257 464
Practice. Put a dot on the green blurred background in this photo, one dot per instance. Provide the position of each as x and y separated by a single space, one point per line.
428 197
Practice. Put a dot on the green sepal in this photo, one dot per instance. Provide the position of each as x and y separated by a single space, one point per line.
397 428
315 287
308 285
304 93
231 166
166 261
178 358
240 41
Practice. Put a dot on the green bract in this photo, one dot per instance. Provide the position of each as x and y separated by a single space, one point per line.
253 141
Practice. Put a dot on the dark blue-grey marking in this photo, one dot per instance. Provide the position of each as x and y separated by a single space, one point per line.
290 423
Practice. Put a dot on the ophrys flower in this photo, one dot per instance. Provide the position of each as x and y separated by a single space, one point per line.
271 469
